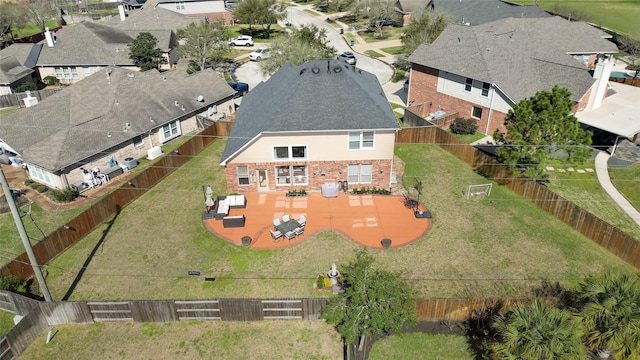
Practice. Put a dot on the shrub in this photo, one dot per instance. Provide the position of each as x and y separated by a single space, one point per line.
320 282
25 86
462 126
28 182
326 280
11 283
41 188
398 76
65 195
51 80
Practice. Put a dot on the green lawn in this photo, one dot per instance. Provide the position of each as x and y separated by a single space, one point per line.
374 53
31 29
470 137
618 15
421 346
475 248
394 50
626 181
291 339
6 322
584 190
388 33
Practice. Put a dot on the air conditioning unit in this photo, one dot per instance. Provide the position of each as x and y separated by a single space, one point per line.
154 152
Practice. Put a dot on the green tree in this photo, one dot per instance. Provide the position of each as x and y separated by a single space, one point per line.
11 14
373 301
610 309
538 331
263 12
144 52
303 44
423 29
40 11
538 126
203 42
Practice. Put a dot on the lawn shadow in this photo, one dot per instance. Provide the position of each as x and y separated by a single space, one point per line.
84 267
478 330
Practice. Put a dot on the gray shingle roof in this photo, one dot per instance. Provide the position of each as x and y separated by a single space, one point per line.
17 61
151 18
521 56
320 95
411 6
89 117
11 70
26 53
87 44
477 12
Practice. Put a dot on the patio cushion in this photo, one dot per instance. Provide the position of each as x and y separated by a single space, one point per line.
236 201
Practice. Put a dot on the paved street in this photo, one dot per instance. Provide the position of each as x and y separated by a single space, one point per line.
250 71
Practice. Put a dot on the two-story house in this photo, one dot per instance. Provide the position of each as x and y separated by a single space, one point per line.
481 71
319 122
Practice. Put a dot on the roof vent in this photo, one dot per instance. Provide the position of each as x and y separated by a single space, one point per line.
176 103
200 98
302 71
164 78
337 69
315 70
131 75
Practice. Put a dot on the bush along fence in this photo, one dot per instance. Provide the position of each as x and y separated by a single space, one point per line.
38 316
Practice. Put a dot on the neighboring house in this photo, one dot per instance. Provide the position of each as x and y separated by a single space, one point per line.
409 7
307 125
114 114
17 63
482 71
80 50
152 18
476 12
213 10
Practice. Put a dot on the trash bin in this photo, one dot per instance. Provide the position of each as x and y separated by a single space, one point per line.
353 42
341 31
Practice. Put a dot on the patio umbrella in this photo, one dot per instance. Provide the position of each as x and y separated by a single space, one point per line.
208 201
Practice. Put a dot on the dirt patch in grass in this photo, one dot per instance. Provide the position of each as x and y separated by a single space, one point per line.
190 340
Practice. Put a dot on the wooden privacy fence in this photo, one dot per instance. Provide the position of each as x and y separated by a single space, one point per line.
60 239
608 236
38 316
15 100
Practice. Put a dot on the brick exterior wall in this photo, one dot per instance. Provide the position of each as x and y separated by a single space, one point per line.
582 104
423 90
332 174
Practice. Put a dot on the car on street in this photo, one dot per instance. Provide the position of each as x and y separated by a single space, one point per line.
259 54
347 57
240 87
243 40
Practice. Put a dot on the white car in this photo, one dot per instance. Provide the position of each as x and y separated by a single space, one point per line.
259 54
243 40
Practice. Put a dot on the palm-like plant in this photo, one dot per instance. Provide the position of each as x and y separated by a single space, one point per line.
610 309
538 331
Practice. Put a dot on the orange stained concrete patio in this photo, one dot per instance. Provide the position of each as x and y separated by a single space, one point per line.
365 219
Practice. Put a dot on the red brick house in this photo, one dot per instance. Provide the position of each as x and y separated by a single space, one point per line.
481 71
320 122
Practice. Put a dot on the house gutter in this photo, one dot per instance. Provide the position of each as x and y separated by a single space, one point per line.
493 92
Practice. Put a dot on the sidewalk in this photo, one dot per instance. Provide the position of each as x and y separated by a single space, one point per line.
602 160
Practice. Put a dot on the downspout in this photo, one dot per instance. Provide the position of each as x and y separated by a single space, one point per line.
493 91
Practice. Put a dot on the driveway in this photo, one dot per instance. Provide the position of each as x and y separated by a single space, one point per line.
250 71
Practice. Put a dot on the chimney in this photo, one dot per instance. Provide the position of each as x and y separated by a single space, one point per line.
121 11
49 37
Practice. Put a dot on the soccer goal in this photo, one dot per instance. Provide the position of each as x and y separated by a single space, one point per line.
474 191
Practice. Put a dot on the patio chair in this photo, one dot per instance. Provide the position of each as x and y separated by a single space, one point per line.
276 222
285 218
290 235
275 234
302 221
299 230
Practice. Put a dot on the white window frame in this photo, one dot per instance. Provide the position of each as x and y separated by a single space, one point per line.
473 108
290 154
137 141
74 73
180 5
468 84
283 175
242 173
485 89
358 138
40 174
360 174
173 133
297 178
58 72
86 71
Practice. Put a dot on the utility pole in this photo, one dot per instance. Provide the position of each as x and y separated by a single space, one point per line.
25 239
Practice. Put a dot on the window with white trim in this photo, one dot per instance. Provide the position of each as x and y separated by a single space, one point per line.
40 174
476 112
294 152
299 175
485 89
243 175
58 71
283 175
66 72
74 73
86 71
361 140
180 5
170 131
137 141
360 174
468 84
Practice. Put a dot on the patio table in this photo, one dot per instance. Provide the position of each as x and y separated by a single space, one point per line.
287 226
